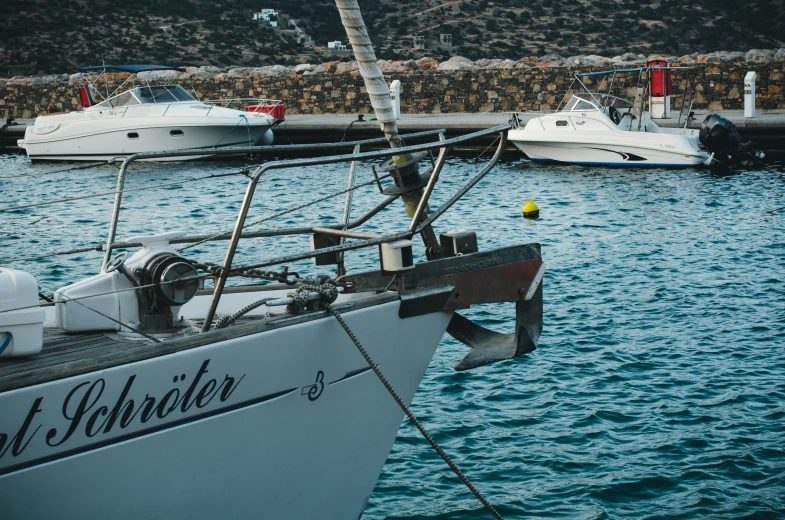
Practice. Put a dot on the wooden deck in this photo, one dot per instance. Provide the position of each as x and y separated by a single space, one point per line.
72 354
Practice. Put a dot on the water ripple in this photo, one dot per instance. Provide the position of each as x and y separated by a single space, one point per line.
658 386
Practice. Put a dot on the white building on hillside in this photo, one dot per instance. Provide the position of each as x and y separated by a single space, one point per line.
268 16
337 45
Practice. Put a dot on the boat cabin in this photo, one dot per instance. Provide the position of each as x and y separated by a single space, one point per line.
148 94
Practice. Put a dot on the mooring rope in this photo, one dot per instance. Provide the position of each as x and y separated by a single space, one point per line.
281 213
230 320
86 167
409 413
112 193
247 127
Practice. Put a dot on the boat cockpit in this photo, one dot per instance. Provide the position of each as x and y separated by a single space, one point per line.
586 101
614 107
148 94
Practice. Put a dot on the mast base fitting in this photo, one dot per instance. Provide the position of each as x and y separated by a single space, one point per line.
410 176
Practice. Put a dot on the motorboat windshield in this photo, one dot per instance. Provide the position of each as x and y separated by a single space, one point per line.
586 101
149 94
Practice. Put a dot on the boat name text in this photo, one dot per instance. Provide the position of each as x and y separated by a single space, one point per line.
483 264
83 409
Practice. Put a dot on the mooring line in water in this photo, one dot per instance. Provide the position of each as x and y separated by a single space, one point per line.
488 147
281 213
410 415
112 193
85 167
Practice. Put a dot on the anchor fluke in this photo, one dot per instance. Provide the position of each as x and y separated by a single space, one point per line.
488 346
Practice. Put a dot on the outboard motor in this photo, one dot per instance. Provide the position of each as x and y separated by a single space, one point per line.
720 137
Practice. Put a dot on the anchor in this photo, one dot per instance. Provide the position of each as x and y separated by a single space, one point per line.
509 274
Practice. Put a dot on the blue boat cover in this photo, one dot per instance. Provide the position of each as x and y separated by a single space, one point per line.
133 69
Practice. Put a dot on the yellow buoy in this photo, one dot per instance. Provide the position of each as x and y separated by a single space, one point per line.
530 210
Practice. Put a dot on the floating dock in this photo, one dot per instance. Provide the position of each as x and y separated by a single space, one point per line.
766 129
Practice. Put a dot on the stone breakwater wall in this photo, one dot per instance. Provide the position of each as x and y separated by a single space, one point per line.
456 85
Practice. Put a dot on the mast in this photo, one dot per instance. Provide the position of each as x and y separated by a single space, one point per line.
377 88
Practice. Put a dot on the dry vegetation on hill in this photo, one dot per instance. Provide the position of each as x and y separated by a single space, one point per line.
62 35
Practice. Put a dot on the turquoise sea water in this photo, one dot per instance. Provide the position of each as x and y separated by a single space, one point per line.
658 386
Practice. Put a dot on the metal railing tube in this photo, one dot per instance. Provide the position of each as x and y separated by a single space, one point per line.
302 230
460 193
238 230
327 250
395 236
429 187
343 234
223 151
237 233
347 208
380 154
116 209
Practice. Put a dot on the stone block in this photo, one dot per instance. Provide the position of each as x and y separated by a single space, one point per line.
715 106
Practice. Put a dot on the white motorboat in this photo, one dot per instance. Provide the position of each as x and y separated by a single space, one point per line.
147 118
597 128
585 133
135 393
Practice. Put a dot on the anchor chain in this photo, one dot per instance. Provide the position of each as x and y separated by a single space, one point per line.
411 415
285 276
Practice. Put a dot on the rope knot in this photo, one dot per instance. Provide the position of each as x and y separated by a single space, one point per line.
328 293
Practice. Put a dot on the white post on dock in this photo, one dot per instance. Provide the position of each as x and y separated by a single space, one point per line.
395 96
749 94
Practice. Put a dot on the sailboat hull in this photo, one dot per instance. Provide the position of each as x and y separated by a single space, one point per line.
287 423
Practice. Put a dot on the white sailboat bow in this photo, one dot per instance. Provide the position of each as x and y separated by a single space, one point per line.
157 388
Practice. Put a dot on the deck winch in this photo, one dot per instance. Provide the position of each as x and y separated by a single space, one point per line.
164 281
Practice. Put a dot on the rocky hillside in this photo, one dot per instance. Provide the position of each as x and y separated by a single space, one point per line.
61 35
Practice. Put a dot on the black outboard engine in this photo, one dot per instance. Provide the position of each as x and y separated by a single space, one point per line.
721 138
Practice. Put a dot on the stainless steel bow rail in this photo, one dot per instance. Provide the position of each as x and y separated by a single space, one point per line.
306 148
418 223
